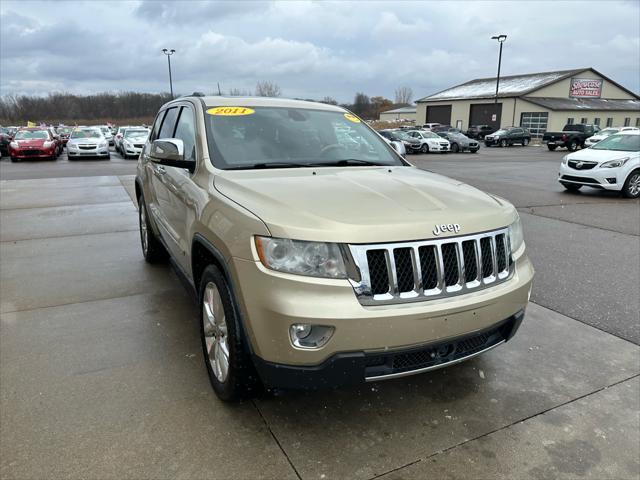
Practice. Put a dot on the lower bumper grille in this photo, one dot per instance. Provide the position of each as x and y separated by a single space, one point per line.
573 178
31 153
440 354
423 270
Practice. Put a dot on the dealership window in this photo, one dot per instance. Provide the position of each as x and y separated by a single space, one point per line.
638 122
596 121
535 122
569 121
609 122
627 121
583 120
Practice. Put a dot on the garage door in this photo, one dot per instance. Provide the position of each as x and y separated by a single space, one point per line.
485 114
439 114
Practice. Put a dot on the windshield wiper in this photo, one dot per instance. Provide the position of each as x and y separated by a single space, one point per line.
349 161
267 165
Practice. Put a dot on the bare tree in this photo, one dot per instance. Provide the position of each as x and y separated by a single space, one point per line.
236 92
403 95
267 88
329 100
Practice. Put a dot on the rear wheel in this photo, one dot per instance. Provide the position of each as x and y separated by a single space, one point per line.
552 147
152 249
572 187
573 146
631 187
229 365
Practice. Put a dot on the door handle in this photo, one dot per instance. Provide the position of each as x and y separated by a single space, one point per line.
161 170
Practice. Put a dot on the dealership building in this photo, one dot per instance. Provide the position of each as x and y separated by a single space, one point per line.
536 101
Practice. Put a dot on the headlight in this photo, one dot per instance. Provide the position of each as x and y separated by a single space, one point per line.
103 144
315 259
72 146
564 159
615 163
14 145
47 144
516 235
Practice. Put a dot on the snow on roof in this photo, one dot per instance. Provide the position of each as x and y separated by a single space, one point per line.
585 103
401 110
512 85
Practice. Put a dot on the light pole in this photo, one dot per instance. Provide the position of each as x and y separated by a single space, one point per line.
500 39
168 53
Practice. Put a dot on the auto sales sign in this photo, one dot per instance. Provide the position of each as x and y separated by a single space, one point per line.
585 87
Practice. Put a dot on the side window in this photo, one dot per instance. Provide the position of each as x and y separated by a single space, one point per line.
154 131
169 123
186 131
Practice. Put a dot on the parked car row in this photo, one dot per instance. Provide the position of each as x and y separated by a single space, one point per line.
21 143
423 140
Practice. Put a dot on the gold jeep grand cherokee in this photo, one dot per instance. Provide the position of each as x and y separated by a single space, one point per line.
319 256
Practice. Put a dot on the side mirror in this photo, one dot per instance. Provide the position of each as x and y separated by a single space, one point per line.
398 147
170 152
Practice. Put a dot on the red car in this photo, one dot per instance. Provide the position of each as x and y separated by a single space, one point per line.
33 143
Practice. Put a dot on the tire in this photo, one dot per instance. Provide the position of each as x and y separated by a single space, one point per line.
572 187
525 142
152 248
424 148
573 146
552 147
229 366
631 187
455 148
503 143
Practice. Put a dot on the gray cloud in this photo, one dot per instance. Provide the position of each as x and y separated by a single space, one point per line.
311 49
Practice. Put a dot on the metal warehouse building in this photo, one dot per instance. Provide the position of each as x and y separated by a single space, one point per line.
537 101
402 113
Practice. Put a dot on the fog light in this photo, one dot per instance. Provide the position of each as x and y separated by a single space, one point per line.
611 180
304 335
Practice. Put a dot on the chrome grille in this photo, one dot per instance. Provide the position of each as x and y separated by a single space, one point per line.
581 164
423 270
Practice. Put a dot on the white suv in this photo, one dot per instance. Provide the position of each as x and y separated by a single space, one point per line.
610 164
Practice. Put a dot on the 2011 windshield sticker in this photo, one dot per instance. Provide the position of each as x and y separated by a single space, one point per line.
230 111
351 118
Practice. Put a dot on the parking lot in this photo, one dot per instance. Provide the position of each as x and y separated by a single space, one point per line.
102 375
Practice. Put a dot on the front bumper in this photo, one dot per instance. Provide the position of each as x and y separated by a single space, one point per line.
98 152
357 367
35 153
436 147
600 178
491 141
271 302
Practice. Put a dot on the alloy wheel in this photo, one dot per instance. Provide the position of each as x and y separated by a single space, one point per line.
144 234
634 184
215 332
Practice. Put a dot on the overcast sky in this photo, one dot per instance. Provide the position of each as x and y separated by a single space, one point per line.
311 49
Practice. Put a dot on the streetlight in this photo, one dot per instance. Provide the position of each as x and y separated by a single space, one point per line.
500 39
168 53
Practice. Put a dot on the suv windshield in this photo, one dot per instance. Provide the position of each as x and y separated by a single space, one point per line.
86 133
273 136
31 135
620 143
608 131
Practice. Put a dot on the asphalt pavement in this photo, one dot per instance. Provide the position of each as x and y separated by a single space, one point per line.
101 374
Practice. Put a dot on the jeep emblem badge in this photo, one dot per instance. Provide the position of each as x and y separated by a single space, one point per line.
449 227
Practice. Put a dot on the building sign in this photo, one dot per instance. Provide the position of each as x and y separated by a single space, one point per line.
585 87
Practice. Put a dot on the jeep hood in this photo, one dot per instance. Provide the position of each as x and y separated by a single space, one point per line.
362 204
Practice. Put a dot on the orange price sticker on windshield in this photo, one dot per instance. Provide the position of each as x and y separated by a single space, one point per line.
351 118
230 111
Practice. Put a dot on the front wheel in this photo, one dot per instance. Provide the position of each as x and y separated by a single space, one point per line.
503 143
475 150
424 148
152 248
525 142
572 187
455 148
631 187
552 147
229 366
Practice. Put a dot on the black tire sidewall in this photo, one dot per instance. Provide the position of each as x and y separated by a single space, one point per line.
625 188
